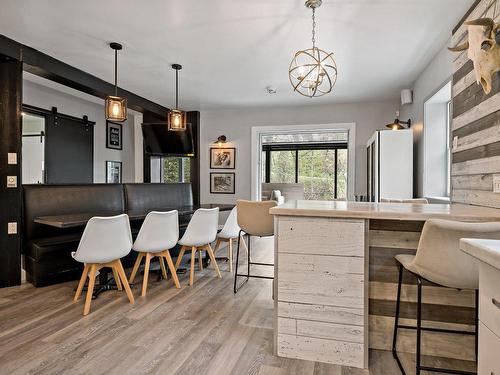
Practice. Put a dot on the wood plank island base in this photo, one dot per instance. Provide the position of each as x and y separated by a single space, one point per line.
336 281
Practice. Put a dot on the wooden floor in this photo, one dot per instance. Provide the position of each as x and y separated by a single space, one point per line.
203 329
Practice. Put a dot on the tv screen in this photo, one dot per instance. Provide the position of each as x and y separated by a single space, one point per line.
159 141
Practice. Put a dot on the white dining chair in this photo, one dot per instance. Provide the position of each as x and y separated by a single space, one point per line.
439 261
200 233
104 242
230 232
158 234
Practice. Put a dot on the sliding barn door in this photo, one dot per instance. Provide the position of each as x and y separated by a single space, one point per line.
69 151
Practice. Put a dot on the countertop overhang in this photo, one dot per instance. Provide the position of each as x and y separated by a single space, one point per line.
487 251
386 211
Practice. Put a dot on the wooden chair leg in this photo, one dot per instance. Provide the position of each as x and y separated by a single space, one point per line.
179 258
162 266
121 273
217 244
146 274
191 271
90 290
212 258
117 278
230 255
172 268
200 260
136 267
83 279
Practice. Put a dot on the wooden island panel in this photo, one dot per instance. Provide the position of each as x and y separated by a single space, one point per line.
321 281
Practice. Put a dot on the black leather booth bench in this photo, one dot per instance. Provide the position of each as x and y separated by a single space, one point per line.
47 250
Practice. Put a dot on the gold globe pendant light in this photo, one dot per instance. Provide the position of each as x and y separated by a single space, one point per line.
176 117
116 107
313 72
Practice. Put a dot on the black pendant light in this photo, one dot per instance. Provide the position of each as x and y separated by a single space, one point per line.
397 124
116 106
176 117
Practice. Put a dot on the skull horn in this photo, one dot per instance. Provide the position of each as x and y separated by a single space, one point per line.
460 47
486 22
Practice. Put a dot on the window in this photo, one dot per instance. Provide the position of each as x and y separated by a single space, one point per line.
437 143
175 169
170 169
321 167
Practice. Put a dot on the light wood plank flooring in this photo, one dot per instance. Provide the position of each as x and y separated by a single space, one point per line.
203 329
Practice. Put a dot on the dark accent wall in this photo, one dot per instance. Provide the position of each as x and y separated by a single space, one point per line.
475 125
10 142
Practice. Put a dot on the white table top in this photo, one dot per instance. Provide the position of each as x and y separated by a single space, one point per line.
388 211
487 251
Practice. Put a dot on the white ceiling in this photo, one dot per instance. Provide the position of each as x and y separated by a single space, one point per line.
232 49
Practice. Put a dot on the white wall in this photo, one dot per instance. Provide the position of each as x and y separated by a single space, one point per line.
236 125
434 76
45 97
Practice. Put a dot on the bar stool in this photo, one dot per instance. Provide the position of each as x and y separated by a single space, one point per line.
230 232
438 260
159 233
254 219
104 241
200 233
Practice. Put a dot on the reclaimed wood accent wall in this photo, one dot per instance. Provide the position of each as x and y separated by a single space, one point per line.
476 124
442 308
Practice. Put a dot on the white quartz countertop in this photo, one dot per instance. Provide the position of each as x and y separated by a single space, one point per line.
487 251
388 211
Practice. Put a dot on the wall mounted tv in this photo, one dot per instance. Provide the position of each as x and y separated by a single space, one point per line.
158 141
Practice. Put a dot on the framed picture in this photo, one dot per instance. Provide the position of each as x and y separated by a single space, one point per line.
114 135
222 158
113 172
222 183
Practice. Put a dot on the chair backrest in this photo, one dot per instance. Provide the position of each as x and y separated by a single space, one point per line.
439 258
202 228
231 228
105 239
254 217
159 231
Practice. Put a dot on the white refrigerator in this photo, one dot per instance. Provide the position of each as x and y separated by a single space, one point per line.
390 165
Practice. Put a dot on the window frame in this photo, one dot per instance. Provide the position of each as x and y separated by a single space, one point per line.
270 147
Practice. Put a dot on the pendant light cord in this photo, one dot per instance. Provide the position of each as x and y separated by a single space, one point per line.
314 28
116 72
176 89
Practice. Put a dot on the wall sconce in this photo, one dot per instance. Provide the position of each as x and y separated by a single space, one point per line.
398 124
221 140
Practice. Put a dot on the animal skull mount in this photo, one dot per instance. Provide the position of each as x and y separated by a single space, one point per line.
483 49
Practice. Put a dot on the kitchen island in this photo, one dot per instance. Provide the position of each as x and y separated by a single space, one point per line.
336 279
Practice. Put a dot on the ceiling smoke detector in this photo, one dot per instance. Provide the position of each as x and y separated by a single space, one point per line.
271 90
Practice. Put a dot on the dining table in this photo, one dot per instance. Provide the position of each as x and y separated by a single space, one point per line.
80 219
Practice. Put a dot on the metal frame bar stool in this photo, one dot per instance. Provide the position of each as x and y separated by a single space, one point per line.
254 219
440 262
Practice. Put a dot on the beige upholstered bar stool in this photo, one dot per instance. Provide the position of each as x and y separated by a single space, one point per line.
200 233
255 220
104 241
158 234
230 232
440 261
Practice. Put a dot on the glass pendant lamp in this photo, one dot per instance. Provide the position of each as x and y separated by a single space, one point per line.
176 117
116 106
